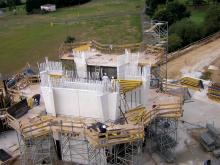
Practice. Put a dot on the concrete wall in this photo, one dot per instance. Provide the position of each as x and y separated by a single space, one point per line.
84 103
48 100
110 103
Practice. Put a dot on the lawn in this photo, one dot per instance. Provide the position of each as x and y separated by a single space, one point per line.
198 14
29 38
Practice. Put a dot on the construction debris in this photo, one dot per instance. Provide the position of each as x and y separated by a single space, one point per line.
8 155
210 140
19 109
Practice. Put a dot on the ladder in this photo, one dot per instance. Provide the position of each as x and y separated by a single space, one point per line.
97 72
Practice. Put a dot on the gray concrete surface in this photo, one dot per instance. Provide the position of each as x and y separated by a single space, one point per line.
188 150
8 139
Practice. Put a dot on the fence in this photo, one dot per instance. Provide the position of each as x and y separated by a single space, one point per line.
194 45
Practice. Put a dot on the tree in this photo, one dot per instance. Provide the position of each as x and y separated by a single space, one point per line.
212 20
3 4
198 3
151 5
215 1
175 42
172 12
187 30
29 7
178 10
11 4
164 15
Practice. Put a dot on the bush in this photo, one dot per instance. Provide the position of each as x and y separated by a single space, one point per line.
187 30
175 42
212 20
69 39
9 3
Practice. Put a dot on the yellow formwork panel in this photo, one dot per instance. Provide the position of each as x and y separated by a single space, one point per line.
56 76
191 82
135 115
140 114
82 48
214 97
129 85
211 91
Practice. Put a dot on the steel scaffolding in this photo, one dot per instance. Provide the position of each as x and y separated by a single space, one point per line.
37 150
156 33
76 148
161 137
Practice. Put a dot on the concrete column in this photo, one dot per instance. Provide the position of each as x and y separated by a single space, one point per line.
145 87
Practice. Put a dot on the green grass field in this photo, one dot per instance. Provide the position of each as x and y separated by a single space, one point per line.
198 14
29 38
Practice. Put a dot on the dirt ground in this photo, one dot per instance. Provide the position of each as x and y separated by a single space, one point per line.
216 74
195 60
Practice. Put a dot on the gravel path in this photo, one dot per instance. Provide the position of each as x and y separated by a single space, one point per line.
194 60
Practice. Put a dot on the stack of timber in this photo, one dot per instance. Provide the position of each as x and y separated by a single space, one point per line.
192 83
214 91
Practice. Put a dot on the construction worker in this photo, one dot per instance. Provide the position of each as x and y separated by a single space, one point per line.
105 80
113 84
37 99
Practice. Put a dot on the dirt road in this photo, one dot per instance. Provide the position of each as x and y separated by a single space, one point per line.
195 60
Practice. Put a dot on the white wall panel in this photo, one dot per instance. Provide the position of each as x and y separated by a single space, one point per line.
66 101
89 104
84 103
47 94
